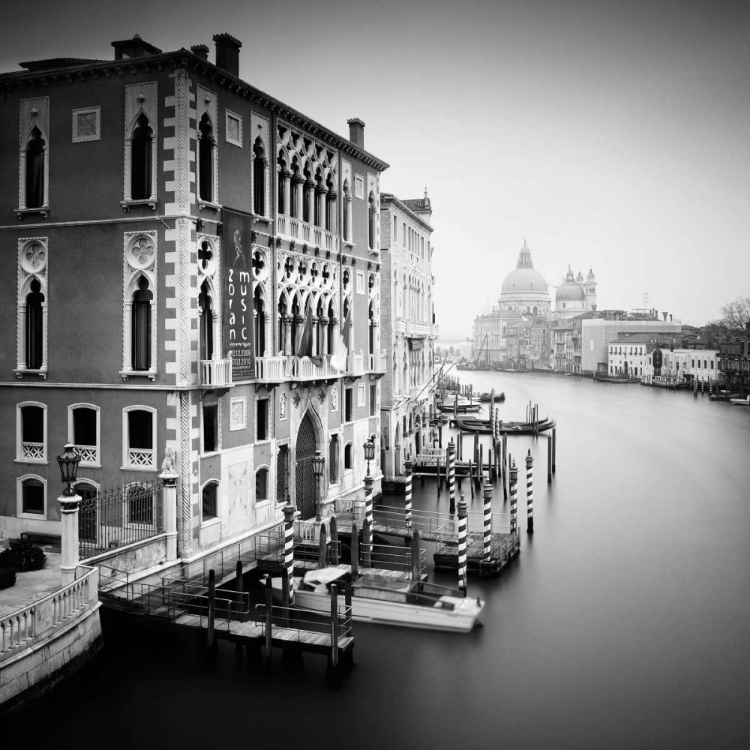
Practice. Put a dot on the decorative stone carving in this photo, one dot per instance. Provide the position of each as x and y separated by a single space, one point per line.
296 399
322 395
283 406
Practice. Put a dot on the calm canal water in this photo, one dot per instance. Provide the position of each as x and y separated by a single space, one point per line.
624 623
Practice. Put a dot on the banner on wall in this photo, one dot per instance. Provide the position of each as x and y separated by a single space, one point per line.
238 293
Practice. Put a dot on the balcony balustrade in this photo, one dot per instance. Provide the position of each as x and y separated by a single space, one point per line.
216 373
295 229
377 362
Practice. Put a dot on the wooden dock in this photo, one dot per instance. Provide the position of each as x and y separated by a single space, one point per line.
503 548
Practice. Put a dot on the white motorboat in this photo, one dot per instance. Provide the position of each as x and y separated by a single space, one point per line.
740 401
388 601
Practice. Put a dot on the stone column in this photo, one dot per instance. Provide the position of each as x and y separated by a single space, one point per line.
311 201
288 320
323 341
70 554
169 511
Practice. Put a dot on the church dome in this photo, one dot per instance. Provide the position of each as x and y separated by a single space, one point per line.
570 290
524 279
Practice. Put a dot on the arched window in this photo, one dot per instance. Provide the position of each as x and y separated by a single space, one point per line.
371 325
32 496
259 178
330 204
371 223
282 474
307 186
206 160
259 330
141 326
348 456
140 160
31 421
209 501
319 190
34 327
206 322
139 437
83 432
35 154
345 206
331 340
280 188
334 448
294 190
261 484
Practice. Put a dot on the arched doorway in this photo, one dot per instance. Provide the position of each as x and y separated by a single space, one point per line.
305 478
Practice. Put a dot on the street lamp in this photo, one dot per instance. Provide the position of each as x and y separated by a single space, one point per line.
369 447
68 461
318 463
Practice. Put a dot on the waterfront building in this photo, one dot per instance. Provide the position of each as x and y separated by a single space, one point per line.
197 270
575 296
408 327
692 364
630 355
602 328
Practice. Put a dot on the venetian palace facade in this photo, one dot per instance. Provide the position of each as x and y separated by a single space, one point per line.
180 241
408 323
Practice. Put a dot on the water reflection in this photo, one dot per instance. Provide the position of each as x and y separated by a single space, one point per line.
623 624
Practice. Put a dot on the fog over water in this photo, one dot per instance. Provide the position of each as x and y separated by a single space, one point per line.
624 623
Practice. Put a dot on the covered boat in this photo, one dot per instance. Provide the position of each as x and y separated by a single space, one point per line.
389 601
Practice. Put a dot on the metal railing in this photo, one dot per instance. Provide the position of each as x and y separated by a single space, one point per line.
438 525
305 621
115 518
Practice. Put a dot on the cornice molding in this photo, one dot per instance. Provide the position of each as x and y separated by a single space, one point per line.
386 198
185 59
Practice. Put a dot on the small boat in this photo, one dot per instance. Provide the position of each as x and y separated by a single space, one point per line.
388 601
485 398
482 426
463 406
740 401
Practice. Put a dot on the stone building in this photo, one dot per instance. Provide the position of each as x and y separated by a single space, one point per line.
408 326
187 253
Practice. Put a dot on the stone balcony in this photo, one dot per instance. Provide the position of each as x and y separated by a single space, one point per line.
301 231
416 329
216 373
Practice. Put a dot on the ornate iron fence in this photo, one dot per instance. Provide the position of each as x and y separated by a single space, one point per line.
116 517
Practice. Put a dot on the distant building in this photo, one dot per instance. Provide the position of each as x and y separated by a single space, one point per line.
631 355
409 329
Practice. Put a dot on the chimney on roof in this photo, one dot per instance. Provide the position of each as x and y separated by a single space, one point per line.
134 47
228 53
357 132
201 50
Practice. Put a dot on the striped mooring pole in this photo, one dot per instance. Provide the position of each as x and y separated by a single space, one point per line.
452 475
487 521
407 494
368 499
462 534
529 494
289 547
513 489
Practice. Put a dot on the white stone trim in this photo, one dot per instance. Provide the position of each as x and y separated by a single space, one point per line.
126 462
19 497
33 112
19 434
96 463
140 98
238 140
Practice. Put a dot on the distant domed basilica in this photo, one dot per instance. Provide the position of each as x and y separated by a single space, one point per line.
524 330
525 291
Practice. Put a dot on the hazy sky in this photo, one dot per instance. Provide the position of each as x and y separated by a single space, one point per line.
610 135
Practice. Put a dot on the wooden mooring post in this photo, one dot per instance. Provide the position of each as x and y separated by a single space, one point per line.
416 557
333 656
549 459
322 547
210 632
529 495
268 644
451 467
334 541
462 539
355 551
554 449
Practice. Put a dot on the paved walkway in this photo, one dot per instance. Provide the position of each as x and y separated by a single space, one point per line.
32 585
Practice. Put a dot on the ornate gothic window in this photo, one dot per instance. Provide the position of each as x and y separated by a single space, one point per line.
259 178
206 147
205 307
32 306
334 449
261 484
371 214
345 210
139 305
35 155
259 314
140 160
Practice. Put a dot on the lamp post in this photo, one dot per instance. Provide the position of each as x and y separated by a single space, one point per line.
318 463
369 448
68 461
